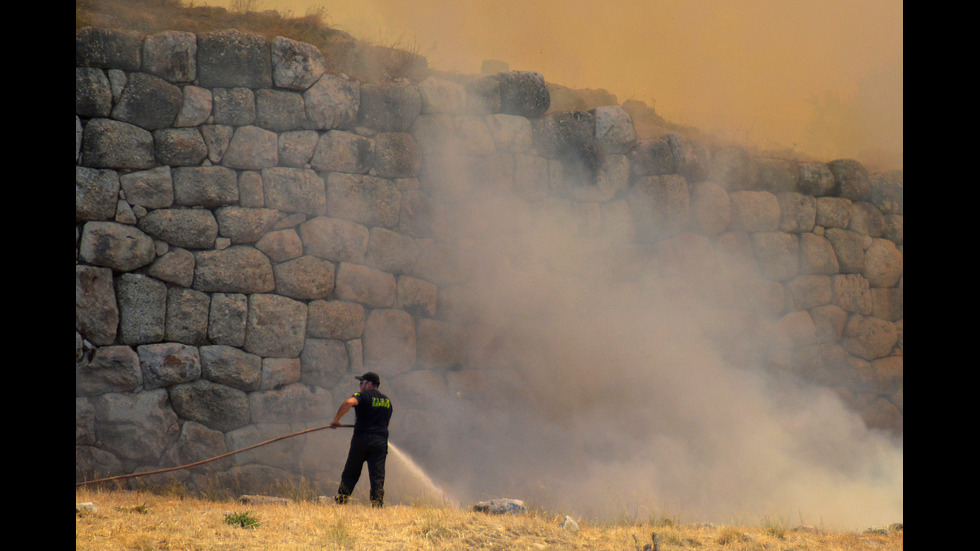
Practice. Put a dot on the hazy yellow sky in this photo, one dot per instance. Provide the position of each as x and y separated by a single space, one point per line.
823 76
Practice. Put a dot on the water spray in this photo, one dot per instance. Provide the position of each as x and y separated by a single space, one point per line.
420 474
203 461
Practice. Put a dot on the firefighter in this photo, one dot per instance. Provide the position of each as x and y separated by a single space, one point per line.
369 443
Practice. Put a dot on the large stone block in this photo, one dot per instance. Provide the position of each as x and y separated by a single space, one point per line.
96 312
390 251
363 199
295 65
171 55
798 212
850 249
817 255
169 363
118 246
108 48
142 308
148 101
187 316
275 327
389 341
614 130
661 206
852 293
883 263
115 144
205 186
396 155
93 96
333 102
852 179
231 366
237 269
334 239
252 148
335 319
187 228
233 106
96 194
869 338
213 405
324 362
137 427
755 211
305 278
523 93
366 285
279 110
111 369
231 58
711 208
245 225
389 106
294 190
226 319
179 146
291 404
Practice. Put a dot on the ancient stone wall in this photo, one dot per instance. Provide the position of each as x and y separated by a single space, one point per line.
251 232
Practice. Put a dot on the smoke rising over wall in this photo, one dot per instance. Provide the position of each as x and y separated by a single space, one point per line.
823 78
599 385
609 396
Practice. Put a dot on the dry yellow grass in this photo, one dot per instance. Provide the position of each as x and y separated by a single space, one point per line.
126 520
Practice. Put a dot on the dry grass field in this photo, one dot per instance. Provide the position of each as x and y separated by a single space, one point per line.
126 520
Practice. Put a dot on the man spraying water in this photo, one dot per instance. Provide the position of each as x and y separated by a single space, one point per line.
369 443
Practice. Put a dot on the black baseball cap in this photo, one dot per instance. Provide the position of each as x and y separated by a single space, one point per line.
370 376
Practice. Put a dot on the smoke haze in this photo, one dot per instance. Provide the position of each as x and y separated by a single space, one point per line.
822 78
611 399
609 394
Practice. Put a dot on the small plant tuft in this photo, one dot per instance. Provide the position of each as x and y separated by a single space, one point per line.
244 520
138 509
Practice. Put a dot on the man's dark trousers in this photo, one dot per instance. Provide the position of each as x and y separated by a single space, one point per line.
370 448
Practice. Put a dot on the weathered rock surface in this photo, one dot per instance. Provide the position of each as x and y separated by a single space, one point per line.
251 230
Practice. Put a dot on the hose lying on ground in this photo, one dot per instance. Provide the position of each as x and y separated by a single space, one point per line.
203 461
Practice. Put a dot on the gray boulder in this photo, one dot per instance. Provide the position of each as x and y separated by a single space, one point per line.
295 65
168 363
500 506
275 326
231 366
523 93
389 106
112 369
93 96
142 308
148 101
294 190
171 55
237 269
137 427
108 48
213 405
116 144
332 102
96 193
96 312
231 58
118 246
179 146
186 228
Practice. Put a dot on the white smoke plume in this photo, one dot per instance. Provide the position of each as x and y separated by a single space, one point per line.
603 392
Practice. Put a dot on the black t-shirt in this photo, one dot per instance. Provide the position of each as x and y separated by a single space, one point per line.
373 411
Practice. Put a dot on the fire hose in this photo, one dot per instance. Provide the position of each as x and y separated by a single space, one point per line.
203 461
